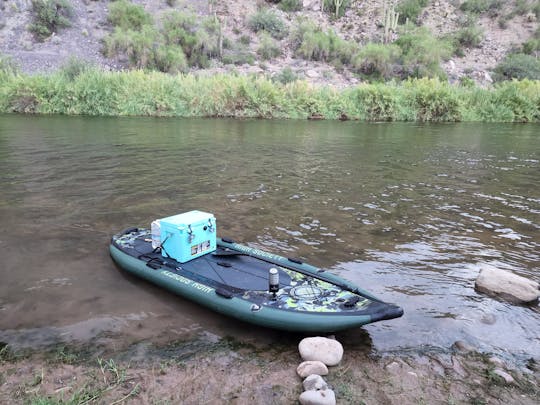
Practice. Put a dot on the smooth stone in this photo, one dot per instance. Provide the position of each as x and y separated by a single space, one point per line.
314 382
506 285
329 351
496 361
504 375
462 346
311 367
320 397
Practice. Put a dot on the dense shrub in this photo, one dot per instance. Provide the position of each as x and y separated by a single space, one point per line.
74 67
268 48
422 53
7 65
170 59
49 16
138 46
96 92
267 20
532 46
291 5
311 43
285 76
433 100
377 60
479 6
470 36
410 10
518 66
128 16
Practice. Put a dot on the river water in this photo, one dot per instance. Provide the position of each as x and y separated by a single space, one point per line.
409 212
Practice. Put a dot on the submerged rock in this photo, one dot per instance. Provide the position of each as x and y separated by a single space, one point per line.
311 367
328 351
320 397
506 285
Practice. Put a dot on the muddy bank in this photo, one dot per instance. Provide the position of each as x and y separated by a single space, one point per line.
207 368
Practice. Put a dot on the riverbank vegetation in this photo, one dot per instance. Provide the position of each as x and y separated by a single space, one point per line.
79 89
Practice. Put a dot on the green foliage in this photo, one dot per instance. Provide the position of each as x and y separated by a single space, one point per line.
170 59
74 67
379 61
138 46
50 15
422 53
311 43
479 6
532 46
410 10
285 76
268 48
97 92
433 100
291 5
128 16
7 65
267 20
469 36
379 102
518 66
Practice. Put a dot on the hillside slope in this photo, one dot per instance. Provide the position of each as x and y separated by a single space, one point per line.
502 30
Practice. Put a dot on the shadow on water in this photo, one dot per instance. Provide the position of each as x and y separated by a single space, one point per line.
407 211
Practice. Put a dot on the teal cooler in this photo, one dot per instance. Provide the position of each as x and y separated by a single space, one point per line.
187 236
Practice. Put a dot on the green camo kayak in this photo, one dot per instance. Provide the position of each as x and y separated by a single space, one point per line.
234 280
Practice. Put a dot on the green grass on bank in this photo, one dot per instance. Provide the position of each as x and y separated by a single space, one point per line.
132 93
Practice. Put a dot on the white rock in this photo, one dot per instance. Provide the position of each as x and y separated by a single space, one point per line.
329 351
312 74
506 285
314 382
496 361
311 367
504 375
321 397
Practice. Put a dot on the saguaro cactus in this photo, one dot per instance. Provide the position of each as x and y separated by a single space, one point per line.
390 20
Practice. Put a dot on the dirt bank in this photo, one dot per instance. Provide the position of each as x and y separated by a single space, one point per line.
210 369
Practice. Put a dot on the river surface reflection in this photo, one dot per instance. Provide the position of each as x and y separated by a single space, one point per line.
409 212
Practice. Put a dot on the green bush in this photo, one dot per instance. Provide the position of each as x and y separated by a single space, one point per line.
291 5
268 48
311 43
170 59
422 53
74 67
518 66
433 100
267 20
470 36
128 16
377 60
137 46
479 6
49 16
7 65
285 76
532 46
410 10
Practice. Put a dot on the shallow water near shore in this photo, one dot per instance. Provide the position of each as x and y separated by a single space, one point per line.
409 212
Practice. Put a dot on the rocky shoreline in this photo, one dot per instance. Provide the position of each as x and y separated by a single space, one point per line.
213 369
